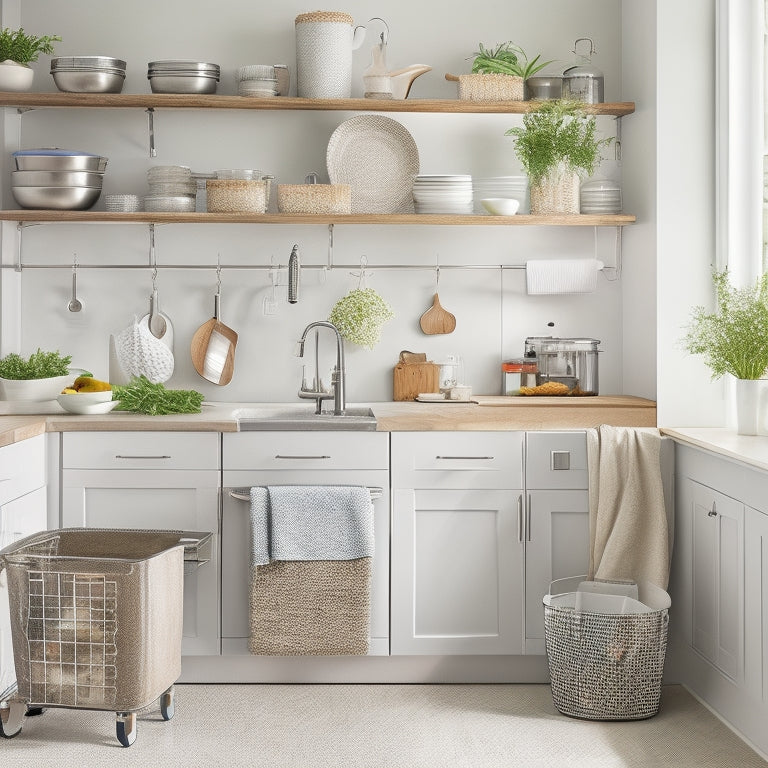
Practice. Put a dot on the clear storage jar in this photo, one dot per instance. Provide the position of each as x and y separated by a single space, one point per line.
516 373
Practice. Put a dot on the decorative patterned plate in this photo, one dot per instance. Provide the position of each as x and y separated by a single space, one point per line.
378 158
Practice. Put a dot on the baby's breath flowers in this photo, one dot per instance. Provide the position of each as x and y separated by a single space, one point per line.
733 338
360 315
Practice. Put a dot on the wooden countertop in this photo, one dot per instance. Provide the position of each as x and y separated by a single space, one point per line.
19 421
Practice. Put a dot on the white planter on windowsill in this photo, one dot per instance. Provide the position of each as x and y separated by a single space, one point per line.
15 76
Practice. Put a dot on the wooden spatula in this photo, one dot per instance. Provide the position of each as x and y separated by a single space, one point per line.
437 320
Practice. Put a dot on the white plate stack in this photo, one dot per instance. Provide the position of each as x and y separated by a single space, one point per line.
600 196
514 187
171 188
443 194
257 80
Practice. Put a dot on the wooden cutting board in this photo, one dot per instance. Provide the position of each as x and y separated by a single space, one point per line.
437 320
412 378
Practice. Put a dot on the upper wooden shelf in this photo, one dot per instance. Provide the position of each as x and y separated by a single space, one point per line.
437 219
191 101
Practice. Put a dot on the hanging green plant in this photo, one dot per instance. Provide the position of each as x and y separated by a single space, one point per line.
360 315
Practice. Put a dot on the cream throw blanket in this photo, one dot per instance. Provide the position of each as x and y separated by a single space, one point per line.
628 523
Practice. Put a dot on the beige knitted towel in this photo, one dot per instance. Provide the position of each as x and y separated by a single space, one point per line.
628 528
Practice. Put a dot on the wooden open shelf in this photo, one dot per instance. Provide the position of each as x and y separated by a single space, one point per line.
193 101
434 219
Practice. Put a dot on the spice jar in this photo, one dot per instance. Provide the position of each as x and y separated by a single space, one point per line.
520 372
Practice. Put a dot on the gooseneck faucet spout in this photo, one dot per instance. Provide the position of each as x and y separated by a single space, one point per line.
339 372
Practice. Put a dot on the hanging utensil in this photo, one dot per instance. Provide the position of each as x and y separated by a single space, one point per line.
156 322
436 319
75 305
213 344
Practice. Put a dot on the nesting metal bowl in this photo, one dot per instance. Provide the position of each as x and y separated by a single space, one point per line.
88 74
56 179
27 160
175 76
56 198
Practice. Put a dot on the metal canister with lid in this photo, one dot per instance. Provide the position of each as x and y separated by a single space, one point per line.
572 362
583 81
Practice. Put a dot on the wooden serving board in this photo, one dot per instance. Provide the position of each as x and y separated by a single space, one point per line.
412 378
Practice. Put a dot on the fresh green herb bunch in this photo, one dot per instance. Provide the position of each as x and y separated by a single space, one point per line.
733 338
40 365
506 59
360 315
142 396
18 46
558 132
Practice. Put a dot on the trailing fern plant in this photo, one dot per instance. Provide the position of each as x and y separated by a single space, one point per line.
40 365
558 133
22 48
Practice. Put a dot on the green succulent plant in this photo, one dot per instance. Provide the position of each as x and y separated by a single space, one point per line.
22 48
506 59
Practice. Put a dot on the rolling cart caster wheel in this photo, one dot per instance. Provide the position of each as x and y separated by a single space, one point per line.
11 718
125 725
167 704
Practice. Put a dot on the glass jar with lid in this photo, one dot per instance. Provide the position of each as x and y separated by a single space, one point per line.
516 373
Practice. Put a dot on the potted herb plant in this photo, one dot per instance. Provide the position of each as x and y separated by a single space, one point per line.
40 377
17 51
557 144
498 74
734 340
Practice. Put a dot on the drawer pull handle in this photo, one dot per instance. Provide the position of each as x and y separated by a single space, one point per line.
244 494
120 456
520 517
281 456
466 458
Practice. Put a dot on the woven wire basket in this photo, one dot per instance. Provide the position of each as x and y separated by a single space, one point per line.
605 666
491 87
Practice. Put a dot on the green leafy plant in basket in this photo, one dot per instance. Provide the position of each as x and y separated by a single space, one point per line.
506 59
734 337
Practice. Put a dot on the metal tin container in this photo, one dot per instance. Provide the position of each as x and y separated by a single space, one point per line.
541 88
572 362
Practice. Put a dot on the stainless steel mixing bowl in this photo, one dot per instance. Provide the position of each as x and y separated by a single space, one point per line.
56 179
48 162
88 80
56 198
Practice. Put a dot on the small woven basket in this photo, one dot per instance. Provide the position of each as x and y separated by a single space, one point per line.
491 87
605 666
558 193
314 198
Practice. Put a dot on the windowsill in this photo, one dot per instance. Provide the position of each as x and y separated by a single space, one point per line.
747 449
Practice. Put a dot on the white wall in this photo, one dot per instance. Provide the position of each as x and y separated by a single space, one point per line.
493 311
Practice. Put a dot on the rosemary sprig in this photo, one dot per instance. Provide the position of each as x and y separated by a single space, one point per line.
143 396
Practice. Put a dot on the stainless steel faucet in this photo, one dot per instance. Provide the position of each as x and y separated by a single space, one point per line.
337 378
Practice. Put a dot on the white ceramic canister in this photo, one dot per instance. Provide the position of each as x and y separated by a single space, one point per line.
324 44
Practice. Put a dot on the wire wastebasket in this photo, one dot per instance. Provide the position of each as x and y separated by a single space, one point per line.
96 620
606 644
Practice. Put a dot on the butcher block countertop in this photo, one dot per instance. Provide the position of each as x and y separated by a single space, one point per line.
19 421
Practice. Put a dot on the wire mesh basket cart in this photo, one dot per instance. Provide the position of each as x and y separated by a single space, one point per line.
96 621
606 644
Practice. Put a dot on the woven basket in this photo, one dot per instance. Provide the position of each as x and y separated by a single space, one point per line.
324 55
491 87
605 666
556 193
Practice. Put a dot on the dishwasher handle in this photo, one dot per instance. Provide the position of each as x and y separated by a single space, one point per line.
243 494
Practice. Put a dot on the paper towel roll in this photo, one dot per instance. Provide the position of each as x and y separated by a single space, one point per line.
562 275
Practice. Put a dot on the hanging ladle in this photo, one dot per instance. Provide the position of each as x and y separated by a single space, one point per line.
75 305
156 322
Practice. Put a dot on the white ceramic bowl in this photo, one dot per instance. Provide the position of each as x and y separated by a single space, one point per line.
87 402
501 206
37 390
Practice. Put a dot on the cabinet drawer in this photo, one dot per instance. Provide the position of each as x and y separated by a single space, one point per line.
22 468
140 450
556 460
457 460
306 450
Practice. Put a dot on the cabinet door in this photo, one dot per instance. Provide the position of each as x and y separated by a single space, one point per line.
457 572
556 547
718 579
176 500
18 518
756 604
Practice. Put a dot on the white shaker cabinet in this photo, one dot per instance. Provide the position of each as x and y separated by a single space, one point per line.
165 480
756 604
23 511
556 520
457 549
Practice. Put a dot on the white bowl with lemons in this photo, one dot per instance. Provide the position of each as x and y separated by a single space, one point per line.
87 403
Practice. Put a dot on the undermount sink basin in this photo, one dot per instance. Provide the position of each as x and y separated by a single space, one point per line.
298 417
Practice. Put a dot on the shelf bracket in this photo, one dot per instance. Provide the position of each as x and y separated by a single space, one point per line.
617 141
20 227
615 270
330 246
151 118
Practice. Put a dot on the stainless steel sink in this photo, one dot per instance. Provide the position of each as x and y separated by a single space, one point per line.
298 417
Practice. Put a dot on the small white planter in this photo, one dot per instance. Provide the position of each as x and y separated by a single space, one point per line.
15 76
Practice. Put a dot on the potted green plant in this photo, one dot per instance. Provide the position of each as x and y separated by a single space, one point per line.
40 377
498 74
556 145
734 340
17 51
